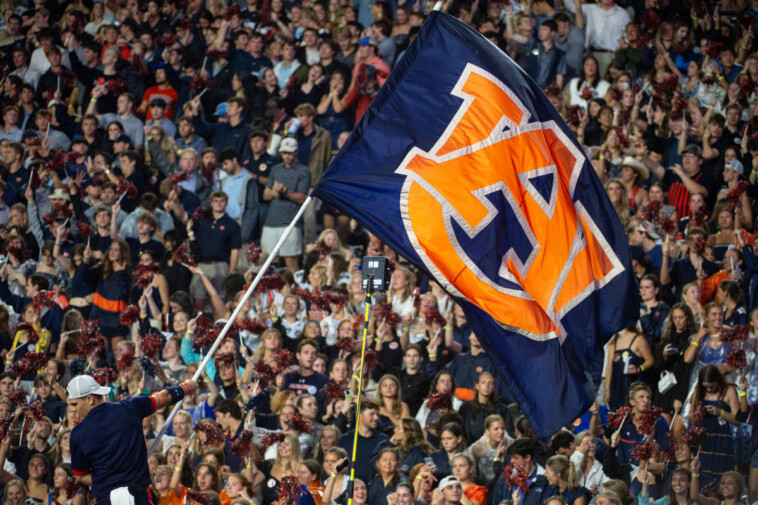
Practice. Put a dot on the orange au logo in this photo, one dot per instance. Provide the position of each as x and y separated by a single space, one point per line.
490 210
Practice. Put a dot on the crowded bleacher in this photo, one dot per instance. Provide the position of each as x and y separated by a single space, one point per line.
153 153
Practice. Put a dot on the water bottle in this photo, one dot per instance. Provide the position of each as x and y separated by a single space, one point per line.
294 127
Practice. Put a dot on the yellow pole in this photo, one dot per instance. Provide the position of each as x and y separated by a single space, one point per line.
360 388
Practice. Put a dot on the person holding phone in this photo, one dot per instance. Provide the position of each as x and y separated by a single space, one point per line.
669 357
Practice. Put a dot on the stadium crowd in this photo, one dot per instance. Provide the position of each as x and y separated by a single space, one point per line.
152 153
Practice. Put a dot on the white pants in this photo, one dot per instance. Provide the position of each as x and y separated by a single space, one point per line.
121 496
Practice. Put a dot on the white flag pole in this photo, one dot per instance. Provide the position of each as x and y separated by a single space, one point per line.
232 318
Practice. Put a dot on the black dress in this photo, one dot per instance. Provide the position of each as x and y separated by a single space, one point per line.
676 365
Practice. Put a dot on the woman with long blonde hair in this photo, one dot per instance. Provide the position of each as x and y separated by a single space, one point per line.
390 400
561 474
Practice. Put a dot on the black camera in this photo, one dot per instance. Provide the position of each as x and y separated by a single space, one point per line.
375 270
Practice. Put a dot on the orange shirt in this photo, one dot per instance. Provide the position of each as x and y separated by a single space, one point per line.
317 491
476 493
172 498
225 500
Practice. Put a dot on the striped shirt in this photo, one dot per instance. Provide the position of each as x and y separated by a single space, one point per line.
679 195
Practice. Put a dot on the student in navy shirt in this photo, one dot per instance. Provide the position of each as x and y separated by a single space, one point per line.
305 380
114 462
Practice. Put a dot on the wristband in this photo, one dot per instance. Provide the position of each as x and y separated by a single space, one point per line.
433 355
356 377
334 475
274 319
178 468
696 475
721 415
742 394
695 344
418 477
93 100
636 107
448 328
642 368
248 466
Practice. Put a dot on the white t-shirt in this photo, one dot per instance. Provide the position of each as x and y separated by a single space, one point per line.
604 27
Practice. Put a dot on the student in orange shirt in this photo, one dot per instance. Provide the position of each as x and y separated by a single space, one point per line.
463 468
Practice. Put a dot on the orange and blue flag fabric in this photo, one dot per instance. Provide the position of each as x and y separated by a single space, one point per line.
463 167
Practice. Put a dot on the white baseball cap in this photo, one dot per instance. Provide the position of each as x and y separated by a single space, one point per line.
736 165
288 145
450 479
84 385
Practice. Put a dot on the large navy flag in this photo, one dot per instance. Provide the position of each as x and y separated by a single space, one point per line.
463 167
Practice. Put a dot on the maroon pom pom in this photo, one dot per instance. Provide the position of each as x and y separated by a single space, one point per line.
71 486
196 497
737 359
384 313
126 187
129 315
225 358
84 229
180 177
695 437
516 477
263 374
204 337
552 90
231 11
299 424
242 444
735 196
699 245
619 416
255 326
587 93
284 359
126 360
269 439
151 344
651 211
714 49
145 273
736 333
184 257
646 421
36 411
18 251
214 436
253 253
116 86
345 344
68 78
5 425
34 181
204 214
168 39
433 316
273 282
440 401
289 489
103 375
370 360
322 247
199 83
216 54
333 391
572 116
31 334
645 451
18 397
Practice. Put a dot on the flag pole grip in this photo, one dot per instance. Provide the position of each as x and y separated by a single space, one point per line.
233 317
